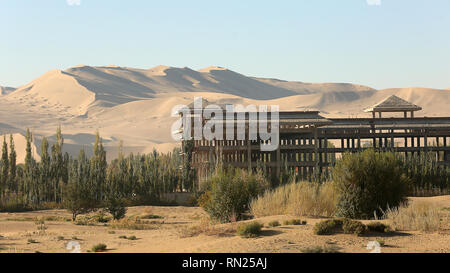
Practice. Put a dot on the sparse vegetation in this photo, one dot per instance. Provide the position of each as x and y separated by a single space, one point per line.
417 216
206 227
150 216
249 230
294 222
302 199
40 225
321 249
274 224
99 247
133 224
32 241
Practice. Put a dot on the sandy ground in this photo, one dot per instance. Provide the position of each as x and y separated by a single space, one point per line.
16 229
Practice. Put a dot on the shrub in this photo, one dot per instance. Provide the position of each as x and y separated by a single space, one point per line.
229 192
150 216
132 224
417 216
328 227
32 241
84 220
78 200
369 182
249 230
132 238
274 224
378 227
60 238
101 217
321 249
332 226
122 237
353 227
99 248
381 242
40 224
294 222
116 206
301 199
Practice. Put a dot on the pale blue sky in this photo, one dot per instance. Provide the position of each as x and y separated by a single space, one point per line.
400 43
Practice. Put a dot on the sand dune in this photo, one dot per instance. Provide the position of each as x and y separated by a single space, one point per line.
57 89
20 144
134 105
5 90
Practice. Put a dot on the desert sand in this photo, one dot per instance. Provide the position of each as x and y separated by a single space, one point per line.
168 235
134 105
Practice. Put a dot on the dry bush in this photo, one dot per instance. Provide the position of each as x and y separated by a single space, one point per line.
133 224
207 228
249 230
417 216
302 199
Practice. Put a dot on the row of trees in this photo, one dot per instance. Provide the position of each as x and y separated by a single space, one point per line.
61 179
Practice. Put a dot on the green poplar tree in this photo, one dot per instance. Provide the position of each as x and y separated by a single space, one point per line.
4 167
12 165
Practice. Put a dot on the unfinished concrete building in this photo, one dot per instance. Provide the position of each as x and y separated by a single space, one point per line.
310 143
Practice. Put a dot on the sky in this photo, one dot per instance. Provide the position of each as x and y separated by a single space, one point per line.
378 43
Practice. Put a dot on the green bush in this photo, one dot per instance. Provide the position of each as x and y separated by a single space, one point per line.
229 192
78 200
99 248
332 226
369 182
353 227
294 222
116 206
378 227
249 230
101 217
328 227
274 224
